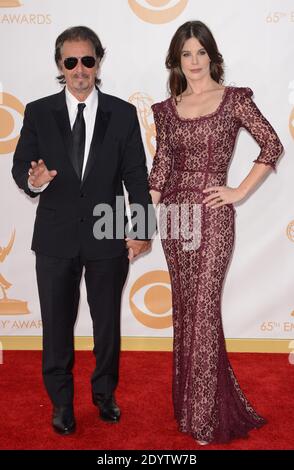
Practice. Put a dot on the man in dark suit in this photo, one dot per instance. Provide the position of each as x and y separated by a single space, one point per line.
76 150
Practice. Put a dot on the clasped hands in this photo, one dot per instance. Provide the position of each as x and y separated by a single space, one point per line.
137 247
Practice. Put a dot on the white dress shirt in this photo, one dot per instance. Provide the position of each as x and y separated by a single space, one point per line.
89 115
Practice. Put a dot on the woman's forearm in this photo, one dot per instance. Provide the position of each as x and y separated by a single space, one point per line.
257 173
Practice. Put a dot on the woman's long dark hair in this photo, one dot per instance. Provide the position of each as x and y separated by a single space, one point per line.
192 29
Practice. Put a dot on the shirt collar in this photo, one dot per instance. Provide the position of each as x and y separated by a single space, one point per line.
91 102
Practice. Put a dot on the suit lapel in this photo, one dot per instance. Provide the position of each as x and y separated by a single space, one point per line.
61 116
103 116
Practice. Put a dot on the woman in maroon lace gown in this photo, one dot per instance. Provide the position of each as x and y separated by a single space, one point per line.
196 132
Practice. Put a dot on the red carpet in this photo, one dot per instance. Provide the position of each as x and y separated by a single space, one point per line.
144 396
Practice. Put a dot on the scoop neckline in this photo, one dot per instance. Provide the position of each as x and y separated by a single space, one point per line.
204 116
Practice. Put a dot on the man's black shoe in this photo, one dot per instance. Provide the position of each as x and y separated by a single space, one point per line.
63 420
108 409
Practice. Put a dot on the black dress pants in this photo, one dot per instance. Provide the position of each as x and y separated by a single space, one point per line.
59 292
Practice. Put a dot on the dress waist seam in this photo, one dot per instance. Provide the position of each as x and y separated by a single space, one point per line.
200 171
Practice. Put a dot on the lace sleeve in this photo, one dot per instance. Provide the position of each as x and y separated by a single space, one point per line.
258 126
162 161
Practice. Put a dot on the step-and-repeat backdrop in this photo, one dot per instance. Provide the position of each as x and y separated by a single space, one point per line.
256 40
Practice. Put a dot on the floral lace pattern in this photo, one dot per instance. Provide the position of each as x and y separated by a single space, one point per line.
193 154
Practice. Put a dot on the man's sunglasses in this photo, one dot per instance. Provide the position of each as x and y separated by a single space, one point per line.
71 62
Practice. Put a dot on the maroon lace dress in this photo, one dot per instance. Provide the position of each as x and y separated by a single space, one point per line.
193 154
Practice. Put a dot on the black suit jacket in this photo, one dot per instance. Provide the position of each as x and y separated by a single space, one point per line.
64 219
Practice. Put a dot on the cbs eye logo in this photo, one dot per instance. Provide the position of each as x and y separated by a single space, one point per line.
151 301
162 11
9 3
11 110
290 231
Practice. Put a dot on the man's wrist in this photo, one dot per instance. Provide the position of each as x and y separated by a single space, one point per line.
37 189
